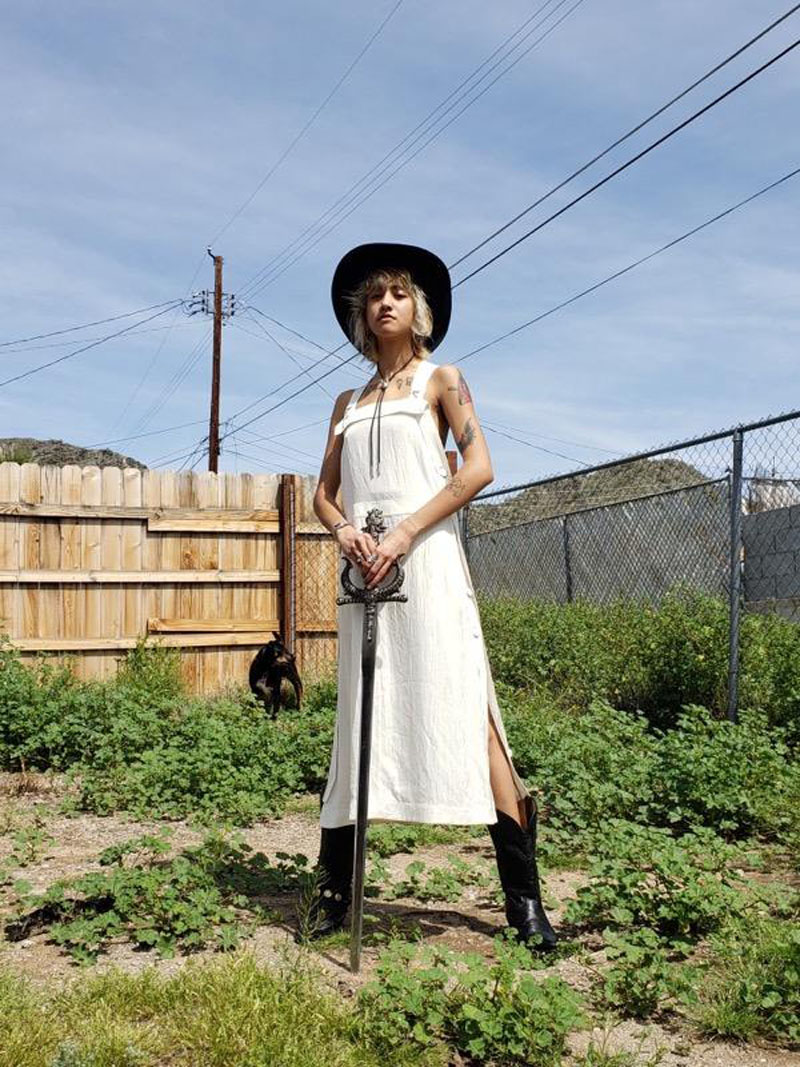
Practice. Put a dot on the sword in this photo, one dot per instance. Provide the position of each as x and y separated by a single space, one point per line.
385 591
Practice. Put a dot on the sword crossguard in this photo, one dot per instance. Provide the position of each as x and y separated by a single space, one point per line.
387 590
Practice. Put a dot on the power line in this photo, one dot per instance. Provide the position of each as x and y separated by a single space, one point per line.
190 361
498 428
186 369
544 315
539 448
292 453
286 351
560 440
317 231
84 348
335 351
620 140
644 152
246 203
253 440
65 344
255 279
198 451
132 397
262 464
577 296
630 267
149 433
634 159
198 422
289 348
289 329
294 378
85 325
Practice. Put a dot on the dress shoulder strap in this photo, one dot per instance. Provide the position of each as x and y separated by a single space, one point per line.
422 376
349 409
354 398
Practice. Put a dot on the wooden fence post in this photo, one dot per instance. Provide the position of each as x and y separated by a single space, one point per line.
288 527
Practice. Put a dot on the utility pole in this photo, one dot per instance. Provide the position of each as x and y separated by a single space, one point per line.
222 306
213 428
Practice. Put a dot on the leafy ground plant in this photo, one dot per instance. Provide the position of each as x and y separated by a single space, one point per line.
426 883
497 1011
387 839
195 899
750 988
641 979
680 887
643 658
29 841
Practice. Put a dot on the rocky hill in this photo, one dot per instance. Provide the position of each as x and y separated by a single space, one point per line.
578 492
60 453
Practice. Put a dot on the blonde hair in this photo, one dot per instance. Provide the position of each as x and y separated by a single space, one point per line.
363 337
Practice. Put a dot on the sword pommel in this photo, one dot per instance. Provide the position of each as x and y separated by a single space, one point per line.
374 524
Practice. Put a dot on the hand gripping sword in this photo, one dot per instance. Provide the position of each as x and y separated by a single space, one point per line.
370 598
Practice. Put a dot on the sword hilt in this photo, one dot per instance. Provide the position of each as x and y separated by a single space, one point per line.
387 590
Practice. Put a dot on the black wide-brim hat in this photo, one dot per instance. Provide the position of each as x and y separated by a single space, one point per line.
425 268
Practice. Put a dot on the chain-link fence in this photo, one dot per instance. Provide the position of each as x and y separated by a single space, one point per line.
720 514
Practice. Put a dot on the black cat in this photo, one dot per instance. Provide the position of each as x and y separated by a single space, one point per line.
272 664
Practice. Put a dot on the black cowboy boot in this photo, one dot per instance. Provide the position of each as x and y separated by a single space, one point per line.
515 848
334 888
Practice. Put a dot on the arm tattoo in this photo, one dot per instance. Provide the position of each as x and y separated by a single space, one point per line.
467 437
464 395
456 485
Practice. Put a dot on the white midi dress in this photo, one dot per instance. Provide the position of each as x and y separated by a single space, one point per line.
433 685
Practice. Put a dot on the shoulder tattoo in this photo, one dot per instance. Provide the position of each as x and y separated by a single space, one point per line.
464 395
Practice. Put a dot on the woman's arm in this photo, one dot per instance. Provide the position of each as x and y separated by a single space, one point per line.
452 393
351 541
330 475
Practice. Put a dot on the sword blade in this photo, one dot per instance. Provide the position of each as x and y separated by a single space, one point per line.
368 639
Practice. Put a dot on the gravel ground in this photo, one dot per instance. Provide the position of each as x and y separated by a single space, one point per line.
468 925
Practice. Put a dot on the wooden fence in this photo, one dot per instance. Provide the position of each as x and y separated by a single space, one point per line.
92 559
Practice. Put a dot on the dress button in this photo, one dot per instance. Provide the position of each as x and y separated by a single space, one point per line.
470 593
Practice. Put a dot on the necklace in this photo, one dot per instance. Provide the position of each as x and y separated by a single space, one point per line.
383 385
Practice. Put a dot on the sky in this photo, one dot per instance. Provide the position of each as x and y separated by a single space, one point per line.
136 135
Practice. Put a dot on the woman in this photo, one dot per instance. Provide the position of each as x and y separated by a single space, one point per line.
439 749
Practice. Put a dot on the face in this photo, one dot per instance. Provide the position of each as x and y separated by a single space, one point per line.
390 310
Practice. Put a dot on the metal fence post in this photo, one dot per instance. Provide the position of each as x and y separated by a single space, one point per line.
735 574
567 560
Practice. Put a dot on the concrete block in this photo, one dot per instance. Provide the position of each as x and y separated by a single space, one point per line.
779 563
788 540
788 585
759 588
753 564
762 525
757 541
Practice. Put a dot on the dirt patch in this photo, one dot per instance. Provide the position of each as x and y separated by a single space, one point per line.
465 926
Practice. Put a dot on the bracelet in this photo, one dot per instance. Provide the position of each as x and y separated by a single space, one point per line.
340 524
